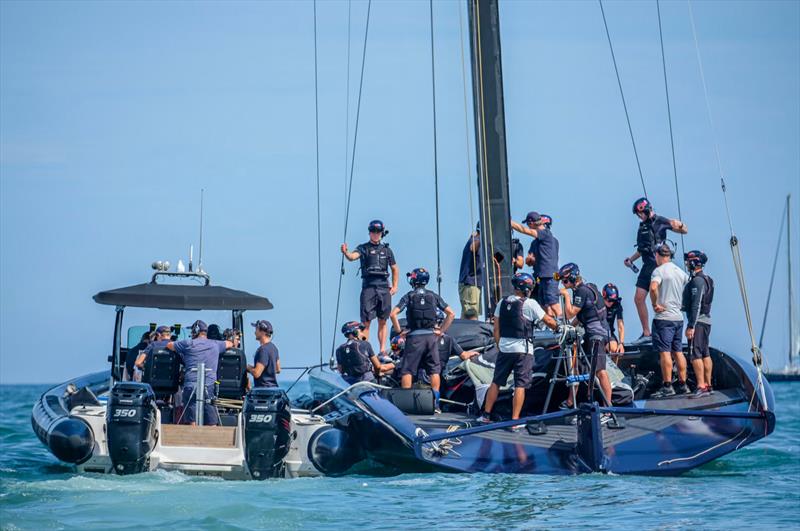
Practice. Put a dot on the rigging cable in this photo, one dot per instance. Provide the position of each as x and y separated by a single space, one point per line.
669 117
466 131
772 278
347 103
319 222
622 95
734 241
350 183
435 158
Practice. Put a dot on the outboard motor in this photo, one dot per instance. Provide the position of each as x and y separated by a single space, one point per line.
131 425
267 431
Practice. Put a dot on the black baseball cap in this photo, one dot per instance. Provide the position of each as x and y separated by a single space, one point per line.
163 330
532 217
263 325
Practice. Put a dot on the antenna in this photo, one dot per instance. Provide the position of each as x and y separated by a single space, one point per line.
200 253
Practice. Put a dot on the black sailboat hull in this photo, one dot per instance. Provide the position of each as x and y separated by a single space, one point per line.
657 437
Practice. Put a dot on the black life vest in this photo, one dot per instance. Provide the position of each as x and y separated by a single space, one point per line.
421 310
595 312
708 295
375 260
513 323
354 361
646 238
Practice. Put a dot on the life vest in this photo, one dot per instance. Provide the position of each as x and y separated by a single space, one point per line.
646 238
375 260
421 310
354 361
595 312
707 299
513 323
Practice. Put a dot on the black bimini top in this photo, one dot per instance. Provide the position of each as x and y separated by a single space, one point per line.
182 297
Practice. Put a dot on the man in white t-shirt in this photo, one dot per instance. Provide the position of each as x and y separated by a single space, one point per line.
515 317
666 294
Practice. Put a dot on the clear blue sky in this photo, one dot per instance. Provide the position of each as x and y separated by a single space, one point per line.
114 114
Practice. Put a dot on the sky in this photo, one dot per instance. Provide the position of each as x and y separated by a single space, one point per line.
113 116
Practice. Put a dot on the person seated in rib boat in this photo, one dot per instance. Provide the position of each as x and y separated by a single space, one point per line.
355 359
162 337
516 316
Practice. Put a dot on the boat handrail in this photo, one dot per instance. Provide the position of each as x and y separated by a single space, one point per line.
347 390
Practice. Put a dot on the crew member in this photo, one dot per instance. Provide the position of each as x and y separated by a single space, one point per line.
470 277
355 359
515 317
518 253
133 354
421 348
267 363
543 256
652 232
697 298
162 337
616 344
588 307
199 349
376 296
234 336
666 295
449 347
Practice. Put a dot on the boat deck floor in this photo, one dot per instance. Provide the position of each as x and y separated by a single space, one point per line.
198 436
560 435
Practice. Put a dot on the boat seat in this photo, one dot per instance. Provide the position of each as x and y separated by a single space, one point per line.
232 374
162 370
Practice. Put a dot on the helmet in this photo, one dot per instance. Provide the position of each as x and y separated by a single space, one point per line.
440 316
547 220
642 205
376 225
398 344
522 282
352 328
666 248
611 292
418 277
569 272
695 259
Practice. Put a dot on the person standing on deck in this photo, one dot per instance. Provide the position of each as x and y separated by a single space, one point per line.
666 294
470 277
377 259
199 349
588 306
267 363
697 298
652 233
616 343
515 318
543 256
421 348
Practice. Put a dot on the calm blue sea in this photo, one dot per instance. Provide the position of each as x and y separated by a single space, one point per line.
757 487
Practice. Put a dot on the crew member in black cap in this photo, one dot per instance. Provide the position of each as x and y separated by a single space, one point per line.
267 362
162 337
470 277
376 296
697 298
199 349
543 256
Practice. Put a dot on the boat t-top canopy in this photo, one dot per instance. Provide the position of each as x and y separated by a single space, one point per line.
182 297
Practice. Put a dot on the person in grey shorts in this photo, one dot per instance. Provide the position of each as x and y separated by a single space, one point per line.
666 294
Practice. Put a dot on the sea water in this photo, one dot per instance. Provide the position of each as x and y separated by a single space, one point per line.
757 487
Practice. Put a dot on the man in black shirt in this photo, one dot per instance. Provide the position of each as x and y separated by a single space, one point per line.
267 362
421 347
543 256
377 259
614 315
652 233
698 296
134 352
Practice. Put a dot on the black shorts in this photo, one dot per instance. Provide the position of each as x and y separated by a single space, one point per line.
421 351
595 347
645 276
667 335
520 363
375 302
547 294
698 347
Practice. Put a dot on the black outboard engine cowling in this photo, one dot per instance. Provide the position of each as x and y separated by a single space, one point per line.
267 431
131 424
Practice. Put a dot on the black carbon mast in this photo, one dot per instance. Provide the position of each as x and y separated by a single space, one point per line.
490 142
